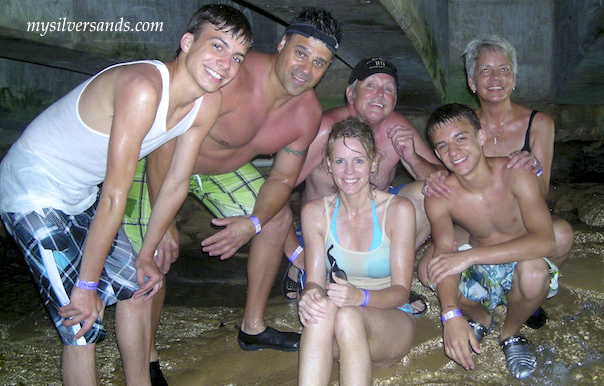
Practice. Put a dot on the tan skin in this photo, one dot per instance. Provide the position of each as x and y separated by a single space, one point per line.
270 108
335 327
122 103
508 221
371 100
508 122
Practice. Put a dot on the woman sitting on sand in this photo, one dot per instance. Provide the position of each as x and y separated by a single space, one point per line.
362 241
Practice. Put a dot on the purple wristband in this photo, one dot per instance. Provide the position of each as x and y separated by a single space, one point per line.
540 171
365 297
86 285
451 314
296 253
256 223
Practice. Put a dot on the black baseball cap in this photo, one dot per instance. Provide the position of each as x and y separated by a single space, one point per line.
369 66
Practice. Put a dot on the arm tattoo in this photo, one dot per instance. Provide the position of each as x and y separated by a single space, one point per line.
297 153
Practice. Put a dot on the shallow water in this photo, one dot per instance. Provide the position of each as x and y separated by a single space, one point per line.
197 337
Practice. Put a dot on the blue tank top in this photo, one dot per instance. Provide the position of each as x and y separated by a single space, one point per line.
368 269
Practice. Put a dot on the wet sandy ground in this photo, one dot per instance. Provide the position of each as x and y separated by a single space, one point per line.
197 337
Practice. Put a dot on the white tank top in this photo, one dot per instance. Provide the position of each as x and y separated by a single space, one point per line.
58 161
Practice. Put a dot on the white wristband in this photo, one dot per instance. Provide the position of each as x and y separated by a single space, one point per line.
256 223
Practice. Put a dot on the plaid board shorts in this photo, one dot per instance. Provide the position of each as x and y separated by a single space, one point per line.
225 195
490 283
52 243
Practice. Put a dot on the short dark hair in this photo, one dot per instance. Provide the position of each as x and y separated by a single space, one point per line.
224 18
446 114
322 19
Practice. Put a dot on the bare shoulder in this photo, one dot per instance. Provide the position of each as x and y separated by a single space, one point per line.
315 209
543 122
140 76
305 105
540 120
332 116
398 204
399 119
134 79
515 176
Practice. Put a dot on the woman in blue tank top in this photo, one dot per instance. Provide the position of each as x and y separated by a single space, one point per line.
359 266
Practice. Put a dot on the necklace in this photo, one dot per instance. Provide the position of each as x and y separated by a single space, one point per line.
495 137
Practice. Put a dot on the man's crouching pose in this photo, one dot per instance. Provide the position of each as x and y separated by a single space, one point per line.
511 237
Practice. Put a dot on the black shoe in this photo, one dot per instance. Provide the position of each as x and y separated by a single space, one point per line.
420 303
269 338
157 378
537 320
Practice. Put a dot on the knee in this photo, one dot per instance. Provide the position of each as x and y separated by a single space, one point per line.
565 239
533 277
348 324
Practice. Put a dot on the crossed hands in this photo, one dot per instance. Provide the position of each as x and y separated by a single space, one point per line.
313 303
238 231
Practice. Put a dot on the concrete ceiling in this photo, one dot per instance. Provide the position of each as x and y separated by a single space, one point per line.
368 30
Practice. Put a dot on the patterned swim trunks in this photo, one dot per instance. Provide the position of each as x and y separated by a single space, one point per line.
490 284
225 195
52 243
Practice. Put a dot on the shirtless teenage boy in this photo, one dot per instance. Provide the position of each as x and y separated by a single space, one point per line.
70 234
270 108
511 237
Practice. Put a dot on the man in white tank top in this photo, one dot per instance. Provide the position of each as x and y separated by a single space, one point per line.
70 234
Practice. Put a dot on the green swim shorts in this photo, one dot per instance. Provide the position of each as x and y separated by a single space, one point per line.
225 195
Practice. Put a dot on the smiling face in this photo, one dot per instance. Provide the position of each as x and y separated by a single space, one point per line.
458 145
350 166
214 58
494 80
301 63
374 98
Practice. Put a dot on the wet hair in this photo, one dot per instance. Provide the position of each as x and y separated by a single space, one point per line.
321 19
224 18
353 128
447 114
475 48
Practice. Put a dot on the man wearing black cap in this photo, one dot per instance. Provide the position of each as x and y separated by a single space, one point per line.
371 96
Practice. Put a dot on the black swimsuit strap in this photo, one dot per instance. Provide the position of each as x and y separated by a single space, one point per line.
527 146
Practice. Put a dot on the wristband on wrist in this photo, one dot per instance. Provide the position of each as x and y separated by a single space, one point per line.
365 297
256 223
540 171
451 314
86 285
296 253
